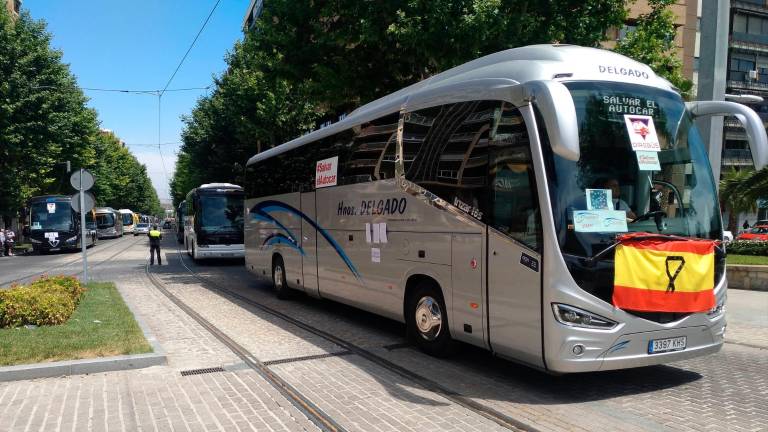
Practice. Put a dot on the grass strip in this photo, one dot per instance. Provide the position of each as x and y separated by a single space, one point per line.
747 259
101 326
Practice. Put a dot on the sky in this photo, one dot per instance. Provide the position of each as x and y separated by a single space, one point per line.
136 45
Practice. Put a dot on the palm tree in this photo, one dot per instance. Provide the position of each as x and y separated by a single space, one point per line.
739 192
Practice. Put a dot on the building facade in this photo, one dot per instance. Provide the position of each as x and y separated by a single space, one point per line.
254 10
747 74
13 6
686 14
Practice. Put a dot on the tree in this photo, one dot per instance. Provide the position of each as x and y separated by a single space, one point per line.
43 117
653 43
737 196
44 121
307 61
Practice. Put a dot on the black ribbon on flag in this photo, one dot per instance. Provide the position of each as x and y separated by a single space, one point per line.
671 286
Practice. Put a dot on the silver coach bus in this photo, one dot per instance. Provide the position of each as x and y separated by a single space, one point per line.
456 206
213 225
109 223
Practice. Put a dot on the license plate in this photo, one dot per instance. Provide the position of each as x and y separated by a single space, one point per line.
54 249
656 346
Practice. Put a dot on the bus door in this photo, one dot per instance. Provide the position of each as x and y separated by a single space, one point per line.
309 245
514 242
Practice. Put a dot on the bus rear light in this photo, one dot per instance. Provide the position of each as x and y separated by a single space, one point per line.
575 317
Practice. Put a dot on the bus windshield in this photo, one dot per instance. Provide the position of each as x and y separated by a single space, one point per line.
222 212
51 216
105 220
643 168
127 218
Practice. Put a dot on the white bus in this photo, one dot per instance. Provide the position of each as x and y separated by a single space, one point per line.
129 220
495 204
213 225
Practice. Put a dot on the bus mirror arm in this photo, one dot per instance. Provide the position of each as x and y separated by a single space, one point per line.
559 113
758 141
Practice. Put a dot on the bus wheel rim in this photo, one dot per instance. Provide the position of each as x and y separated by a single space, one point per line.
429 318
279 277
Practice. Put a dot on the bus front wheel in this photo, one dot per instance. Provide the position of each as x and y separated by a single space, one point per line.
278 279
427 320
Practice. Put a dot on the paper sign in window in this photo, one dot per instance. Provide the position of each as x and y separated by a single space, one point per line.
600 221
648 160
642 132
383 232
325 172
51 207
599 199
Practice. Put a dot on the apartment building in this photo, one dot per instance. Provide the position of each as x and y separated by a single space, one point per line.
686 41
13 6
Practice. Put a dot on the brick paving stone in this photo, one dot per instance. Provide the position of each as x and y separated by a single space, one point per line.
725 391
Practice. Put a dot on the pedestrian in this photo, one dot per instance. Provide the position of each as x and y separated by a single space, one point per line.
746 224
154 245
10 241
2 242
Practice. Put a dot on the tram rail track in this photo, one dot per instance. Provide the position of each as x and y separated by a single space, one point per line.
295 397
71 262
428 384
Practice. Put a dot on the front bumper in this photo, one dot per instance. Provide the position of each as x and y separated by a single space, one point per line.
627 349
220 251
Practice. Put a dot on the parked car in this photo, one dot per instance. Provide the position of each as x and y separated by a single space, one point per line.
141 228
756 233
727 237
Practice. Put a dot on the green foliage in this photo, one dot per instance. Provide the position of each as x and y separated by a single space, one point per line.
736 194
653 43
746 247
44 121
43 116
70 284
121 181
307 61
102 325
46 301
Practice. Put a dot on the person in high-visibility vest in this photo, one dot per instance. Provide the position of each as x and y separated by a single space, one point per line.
154 245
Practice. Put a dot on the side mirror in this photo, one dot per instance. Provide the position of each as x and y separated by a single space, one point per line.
758 141
559 113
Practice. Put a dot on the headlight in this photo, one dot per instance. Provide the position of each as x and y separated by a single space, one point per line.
71 239
575 317
36 241
717 310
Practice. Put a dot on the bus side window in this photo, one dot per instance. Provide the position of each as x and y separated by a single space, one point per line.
515 207
445 150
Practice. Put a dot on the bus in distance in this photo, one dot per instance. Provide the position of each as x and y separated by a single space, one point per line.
181 211
129 220
553 204
109 223
54 226
213 225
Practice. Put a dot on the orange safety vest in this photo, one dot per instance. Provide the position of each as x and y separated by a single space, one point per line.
661 275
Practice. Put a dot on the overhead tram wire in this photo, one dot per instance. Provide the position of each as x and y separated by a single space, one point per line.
170 80
205 23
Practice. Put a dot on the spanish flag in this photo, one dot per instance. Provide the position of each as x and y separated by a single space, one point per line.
664 274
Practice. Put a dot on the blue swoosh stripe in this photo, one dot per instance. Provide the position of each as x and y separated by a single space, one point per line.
263 208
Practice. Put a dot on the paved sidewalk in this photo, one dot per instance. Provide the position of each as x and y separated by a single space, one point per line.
157 398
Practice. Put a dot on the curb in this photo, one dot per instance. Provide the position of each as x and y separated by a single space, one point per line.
93 365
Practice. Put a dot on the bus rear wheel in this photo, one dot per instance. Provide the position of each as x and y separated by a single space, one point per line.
427 320
278 279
